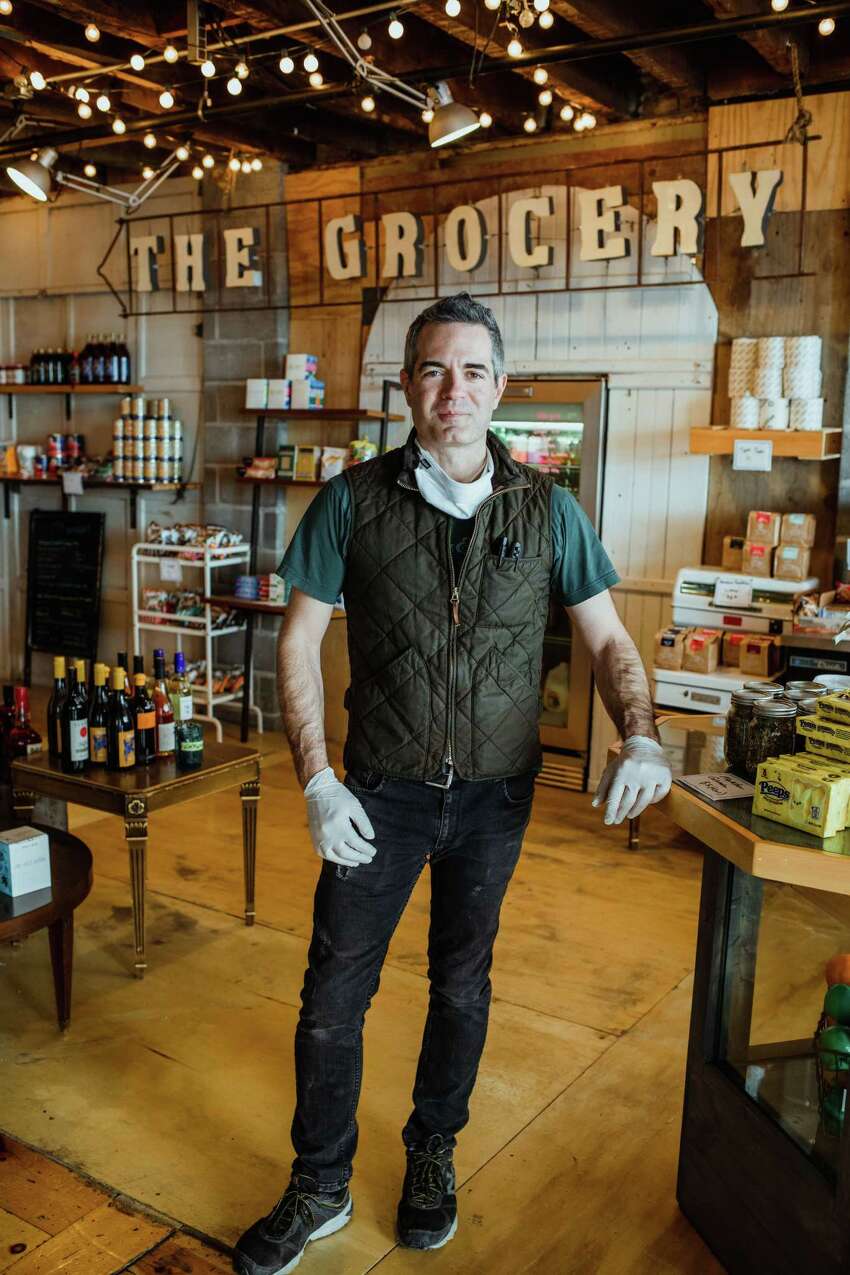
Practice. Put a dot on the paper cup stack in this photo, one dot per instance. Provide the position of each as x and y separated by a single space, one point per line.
803 382
775 383
742 375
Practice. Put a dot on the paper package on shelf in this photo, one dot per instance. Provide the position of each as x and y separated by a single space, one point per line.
798 529
771 351
763 526
774 413
791 562
807 413
802 382
767 382
744 412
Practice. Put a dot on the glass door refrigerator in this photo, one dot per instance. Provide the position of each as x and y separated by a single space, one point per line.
558 427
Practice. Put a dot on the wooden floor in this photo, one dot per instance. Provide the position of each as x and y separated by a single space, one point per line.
168 1102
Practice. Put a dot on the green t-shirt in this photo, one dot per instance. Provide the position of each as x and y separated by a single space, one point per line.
316 557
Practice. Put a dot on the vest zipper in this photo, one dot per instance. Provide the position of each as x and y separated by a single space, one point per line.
454 603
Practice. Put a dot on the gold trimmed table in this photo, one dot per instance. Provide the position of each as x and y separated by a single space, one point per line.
135 794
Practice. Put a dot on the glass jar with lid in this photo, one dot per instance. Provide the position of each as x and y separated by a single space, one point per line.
808 688
764 688
738 721
772 732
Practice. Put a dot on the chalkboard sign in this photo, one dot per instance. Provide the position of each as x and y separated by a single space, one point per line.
63 584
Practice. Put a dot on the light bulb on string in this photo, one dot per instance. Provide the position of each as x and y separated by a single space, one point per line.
316 80
530 124
170 53
81 94
118 125
368 104
396 29
485 119
37 80
492 4
103 103
515 48
5 7
364 41
90 170
544 97
541 75
256 164
286 65
208 161
452 8
526 19
246 165
310 63
208 69
779 6
826 26
234 164
541 5
137 62
242 70
197 172
147 172
84 111
149 140
182 153
166 99
234 86
92 33
566 112
546 20
427 115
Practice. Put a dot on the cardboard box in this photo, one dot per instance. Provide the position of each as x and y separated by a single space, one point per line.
763 528
732 643
306 462
757 560
24 861
286 460
791 562
307 393
733 552
795 795
257 392
702 651
757 655
298 366
798 529
670 647
280 394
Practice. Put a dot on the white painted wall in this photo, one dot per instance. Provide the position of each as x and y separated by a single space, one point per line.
51 295
655 346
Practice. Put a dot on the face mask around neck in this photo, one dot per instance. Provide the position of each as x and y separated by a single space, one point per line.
461 500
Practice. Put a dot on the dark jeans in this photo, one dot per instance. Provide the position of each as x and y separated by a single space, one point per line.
471 834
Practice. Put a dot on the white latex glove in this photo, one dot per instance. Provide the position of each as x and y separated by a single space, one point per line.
337 821
638 775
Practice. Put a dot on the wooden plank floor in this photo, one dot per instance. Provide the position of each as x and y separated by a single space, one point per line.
177 1091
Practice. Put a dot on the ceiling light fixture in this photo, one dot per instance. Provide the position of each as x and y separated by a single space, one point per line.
170 53
286 65
90 170
166 99
256 164
234 164
364 41
208 69
485 119
197 172
526 19
182 153
36 178
826 26
137 62
368 104
452 119
396 29
541 75
103 103
118 125
149 140
208 161
311 62
37 80
546 20
544 97
779 6
541 5
92 33
493 4
84 111
234 86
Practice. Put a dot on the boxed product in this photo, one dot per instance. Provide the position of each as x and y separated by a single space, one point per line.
670 647
798 529
280 395
835 707
307 393
812 723
702 651
733 553
257 392
298 366
333 462
791 562
757 559
757 654
732 643
24 861
306 462
763 528
795 795
286 460
824 745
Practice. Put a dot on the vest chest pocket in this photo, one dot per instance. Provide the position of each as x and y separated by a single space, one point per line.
513 593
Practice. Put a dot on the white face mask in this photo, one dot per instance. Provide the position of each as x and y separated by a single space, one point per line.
461 500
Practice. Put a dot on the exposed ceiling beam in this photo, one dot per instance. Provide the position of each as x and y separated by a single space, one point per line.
128 21
770 45
601 18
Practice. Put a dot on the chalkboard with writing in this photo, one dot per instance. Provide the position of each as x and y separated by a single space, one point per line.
63 583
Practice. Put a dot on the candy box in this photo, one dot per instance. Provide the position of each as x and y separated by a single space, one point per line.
670 647
24 861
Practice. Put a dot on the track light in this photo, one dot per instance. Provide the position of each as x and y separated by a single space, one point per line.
90 170
316 80
541 75
515 48
137 62
242 70
37 80
166 99
368 104
147 172
92 33
182 153
452 120
826 26
234 164
256 164
530 124
118 125
545 97
485 119
566 112
546 20
286 65
396 29
208 69
234 86
103 103
364 41
452 8
311 63
149 140
33 176
197 172
84 111
170 53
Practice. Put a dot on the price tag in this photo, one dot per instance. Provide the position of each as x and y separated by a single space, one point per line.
171 569
733 591
718 787
756 455
72 482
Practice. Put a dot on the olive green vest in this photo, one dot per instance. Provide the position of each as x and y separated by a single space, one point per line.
445 673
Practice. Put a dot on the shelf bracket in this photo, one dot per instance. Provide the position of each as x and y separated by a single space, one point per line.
133 494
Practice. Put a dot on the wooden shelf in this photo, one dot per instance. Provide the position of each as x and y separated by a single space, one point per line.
98 482
322 413
814 444
285 482
71 389
255 605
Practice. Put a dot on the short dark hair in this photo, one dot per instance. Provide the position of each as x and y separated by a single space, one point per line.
460 308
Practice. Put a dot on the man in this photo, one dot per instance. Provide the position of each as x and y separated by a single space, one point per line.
447 553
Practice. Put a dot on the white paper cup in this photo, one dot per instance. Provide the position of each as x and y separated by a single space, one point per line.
745 412
771 351
801 382
767 382
807 413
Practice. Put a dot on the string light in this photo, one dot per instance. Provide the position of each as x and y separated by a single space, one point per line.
90 170
368 104
208 69
234 86
452 8
567 112
541 75
182 153
779 6
208 161
316 80
166 99
427 115
84 111
515 48
118 125
92 33
137 62
242 70
546 20
246 165
493 4
311 62
530 124
586 120
81 94
286 64
826 26
545 97
170 53
485 119
526 19
37 80
364 41
256 164
197 172
149 140
103 103
5 7
396 29
541 5
147 172
234 164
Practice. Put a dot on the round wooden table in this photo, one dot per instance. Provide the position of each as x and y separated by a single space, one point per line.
71 876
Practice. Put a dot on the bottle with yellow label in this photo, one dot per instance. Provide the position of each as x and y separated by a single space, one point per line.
98 716
120 727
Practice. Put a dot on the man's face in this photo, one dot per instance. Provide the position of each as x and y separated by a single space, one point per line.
452 393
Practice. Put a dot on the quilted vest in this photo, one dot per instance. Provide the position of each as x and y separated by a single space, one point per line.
445 671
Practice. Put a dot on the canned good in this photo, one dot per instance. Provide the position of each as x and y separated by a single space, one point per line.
18 374
137 405
130 426
130 469
55 446
165 448
149 429
163 470
127 406
165 428
149 471
764 688
118 469
177 426
117 445
137 447
162 408
71 446
151 448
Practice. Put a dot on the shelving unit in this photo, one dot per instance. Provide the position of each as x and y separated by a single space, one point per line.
814 444
11 484
206 559
12 391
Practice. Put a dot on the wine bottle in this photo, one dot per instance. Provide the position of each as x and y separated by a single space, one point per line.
144 714
22 740
81 676
74 723
110 361
181 691
165 741
123 362
54 708
120 728
98 716
7 718
74 368
122 663
99 361
87 363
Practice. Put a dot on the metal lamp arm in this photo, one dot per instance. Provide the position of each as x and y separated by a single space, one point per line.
129 201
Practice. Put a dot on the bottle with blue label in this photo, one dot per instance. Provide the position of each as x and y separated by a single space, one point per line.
121 728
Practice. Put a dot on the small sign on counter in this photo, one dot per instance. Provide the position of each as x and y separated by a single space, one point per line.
718 787
733 591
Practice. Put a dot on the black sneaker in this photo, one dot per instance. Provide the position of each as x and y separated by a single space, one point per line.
275 1243
427 1211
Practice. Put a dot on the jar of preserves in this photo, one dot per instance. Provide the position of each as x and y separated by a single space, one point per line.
808 688
737 735
772 732
764 688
